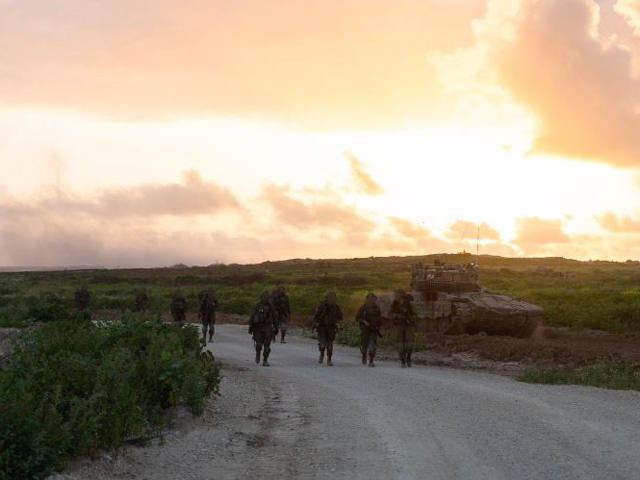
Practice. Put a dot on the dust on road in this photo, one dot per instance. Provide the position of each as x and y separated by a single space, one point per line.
299 419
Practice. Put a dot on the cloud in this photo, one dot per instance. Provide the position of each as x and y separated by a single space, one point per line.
613 222
144 225
421 238
361 178
534 232
408 228
315 213
193 196
548 58
57 242
630 11
153 225
464 230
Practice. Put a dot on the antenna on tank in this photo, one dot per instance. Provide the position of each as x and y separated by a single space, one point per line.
478 247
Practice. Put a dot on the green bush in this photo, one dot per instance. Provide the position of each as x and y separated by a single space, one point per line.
14 316
48 308
74 386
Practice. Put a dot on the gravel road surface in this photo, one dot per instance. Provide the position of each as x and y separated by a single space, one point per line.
298 419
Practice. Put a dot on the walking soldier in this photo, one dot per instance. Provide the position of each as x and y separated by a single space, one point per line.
403 317
141 303
283 309
369 317
263 325
327 321
83 298
208 306
179 308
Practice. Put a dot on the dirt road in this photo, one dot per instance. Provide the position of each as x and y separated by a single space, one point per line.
298 419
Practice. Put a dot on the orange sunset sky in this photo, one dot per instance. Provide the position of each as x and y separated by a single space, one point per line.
152 132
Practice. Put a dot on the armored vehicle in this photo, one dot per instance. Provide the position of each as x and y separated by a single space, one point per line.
450 299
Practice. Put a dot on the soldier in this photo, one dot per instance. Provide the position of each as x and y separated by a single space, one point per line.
179 308
283 309
83 298
263 325
141 303
369 317
403 317
208 306
327 321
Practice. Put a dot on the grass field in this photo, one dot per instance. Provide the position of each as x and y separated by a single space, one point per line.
614 375
596 295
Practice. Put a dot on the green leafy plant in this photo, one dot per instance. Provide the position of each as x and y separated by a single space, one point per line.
74 386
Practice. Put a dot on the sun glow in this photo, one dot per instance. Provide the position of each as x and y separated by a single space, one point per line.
430 176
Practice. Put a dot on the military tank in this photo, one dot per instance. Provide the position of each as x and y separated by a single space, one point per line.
450 299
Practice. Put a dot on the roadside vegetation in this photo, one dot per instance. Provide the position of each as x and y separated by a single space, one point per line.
350 336
578 295
74 386
615 375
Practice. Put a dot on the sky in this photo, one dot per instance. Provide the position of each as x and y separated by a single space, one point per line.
157 132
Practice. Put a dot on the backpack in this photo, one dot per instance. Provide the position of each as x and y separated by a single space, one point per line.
329 314
262 314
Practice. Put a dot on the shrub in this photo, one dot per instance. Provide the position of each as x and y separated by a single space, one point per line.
14 316
74 386
48 308
349 335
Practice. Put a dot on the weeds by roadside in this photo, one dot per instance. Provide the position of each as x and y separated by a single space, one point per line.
615 375
350 336
73 387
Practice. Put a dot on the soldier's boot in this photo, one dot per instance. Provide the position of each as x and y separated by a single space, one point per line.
321 358
403 360
329 355
409 359
210 337
257 355
364 358
371 356
265 362
282 335
204 336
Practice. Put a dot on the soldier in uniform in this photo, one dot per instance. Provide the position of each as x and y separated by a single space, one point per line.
83 298
403 317
369 317
263 325
208 304
327 321
179 308
141 303
283 309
